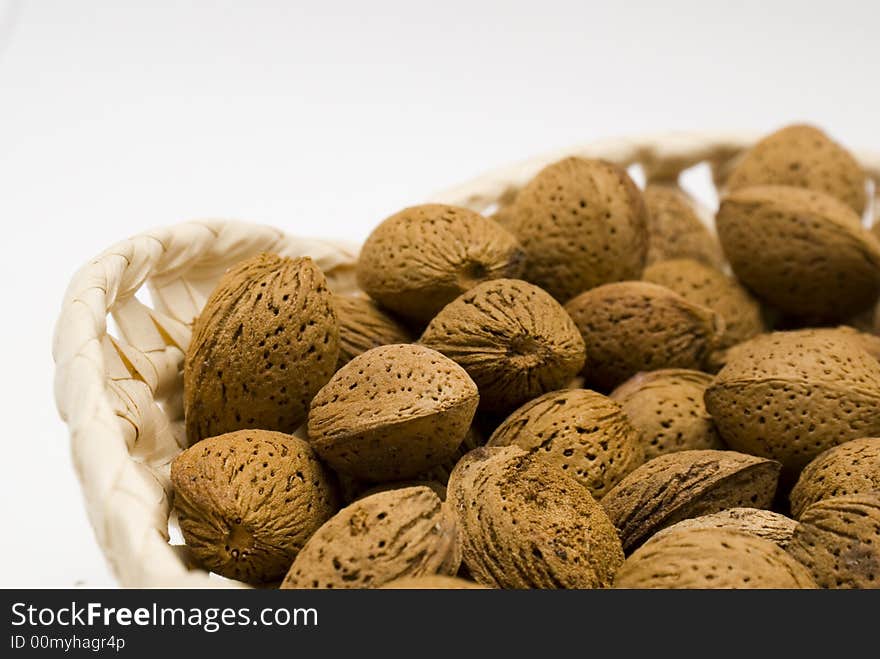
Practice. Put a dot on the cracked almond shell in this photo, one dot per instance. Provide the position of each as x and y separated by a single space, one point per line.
686 484
582 432
803 157
419 260
248 501
666 408
761 523
392 413
675 231
378 539
704 285
791 395
713 558
363 326
266 341
801 251
838 539
526 524
514 340
635 326
582 223
850 468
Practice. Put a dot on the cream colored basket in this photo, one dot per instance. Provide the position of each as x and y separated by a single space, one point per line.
121 393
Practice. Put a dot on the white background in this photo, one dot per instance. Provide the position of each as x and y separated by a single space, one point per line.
323 118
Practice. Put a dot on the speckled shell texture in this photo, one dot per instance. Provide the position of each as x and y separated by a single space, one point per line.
761 523
266 341
248 501
686 484
422 258
582 432
363 326
636 326
868 342
378 539
851 468
711 558
582 223
666 408
800 251
392 412
803 157
526 524
791 395
514 340
675 231
838 539
708 287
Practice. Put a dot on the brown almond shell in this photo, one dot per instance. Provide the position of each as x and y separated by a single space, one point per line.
706 286
266 341
850 468
790 396
805 157
686 484
526 524
392 413
420 259
711 558
636 326
667 410
582 223
376 540
838 539
513 339
803 252
583 433
761 523
248 501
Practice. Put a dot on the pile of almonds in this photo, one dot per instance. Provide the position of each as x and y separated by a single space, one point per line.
587 390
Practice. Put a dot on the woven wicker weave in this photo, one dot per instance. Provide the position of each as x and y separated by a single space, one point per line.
121 395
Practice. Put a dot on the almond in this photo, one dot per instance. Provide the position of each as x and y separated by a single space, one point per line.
804 157
685 484
761 523
850 468
378 539
514 340
582 223
666 408
635 326
248 501
419 260
265 343
838 539
791 395
392 412
711 558
526 524
801 251
579 431
704 285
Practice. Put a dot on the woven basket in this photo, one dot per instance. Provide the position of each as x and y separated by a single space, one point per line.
121 393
